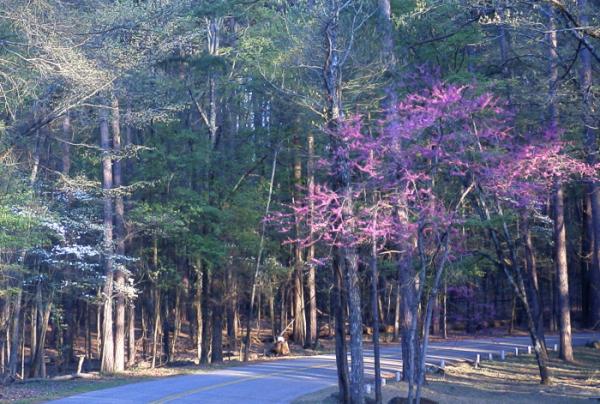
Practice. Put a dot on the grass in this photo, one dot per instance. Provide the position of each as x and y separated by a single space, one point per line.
514 380
44 390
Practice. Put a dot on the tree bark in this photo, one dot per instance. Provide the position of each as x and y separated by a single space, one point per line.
206 315
560 242
311 279
533 284
15 332
216 356
231 310
119 243
299 328
131 345
108 355
198 308
560 234
156 324
338 305
375 324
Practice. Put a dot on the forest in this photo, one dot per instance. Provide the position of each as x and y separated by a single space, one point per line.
190 180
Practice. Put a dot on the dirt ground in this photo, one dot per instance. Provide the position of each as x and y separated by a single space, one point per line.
514 381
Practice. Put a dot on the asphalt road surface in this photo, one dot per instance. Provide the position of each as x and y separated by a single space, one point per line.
283 381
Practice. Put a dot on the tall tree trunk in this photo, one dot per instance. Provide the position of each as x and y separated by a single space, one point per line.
389 60
119 244
355 322
311 279
535 297
38 367
587 242
177 323
131 346
206 315
407 276
299 327
198 308
338 306
566 347
15 330
213 43
515 278
375 324
435 320
560 234
216 356
156 323
231 310
332 75
397 308
444 324
248 338
108 355
591 144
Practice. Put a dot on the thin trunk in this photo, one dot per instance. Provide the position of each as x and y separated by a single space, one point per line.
177 326
375 325
533 284
428 315
299 328
216 356
119 243
560 242
445 310
198 308
587 242
131 346
166 330
33 334
311 279
406 276
248 339
560 233
206 314
356 330
515 278
38 366
231 310
15 333
435 326
156 323
397 307
108 355
338 305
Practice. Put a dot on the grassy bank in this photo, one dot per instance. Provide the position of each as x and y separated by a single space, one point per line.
514 380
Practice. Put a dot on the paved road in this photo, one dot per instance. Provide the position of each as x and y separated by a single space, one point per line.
284 380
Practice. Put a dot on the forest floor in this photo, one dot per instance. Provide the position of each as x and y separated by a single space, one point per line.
514 380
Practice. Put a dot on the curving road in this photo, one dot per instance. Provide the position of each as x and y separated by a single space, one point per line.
283 381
